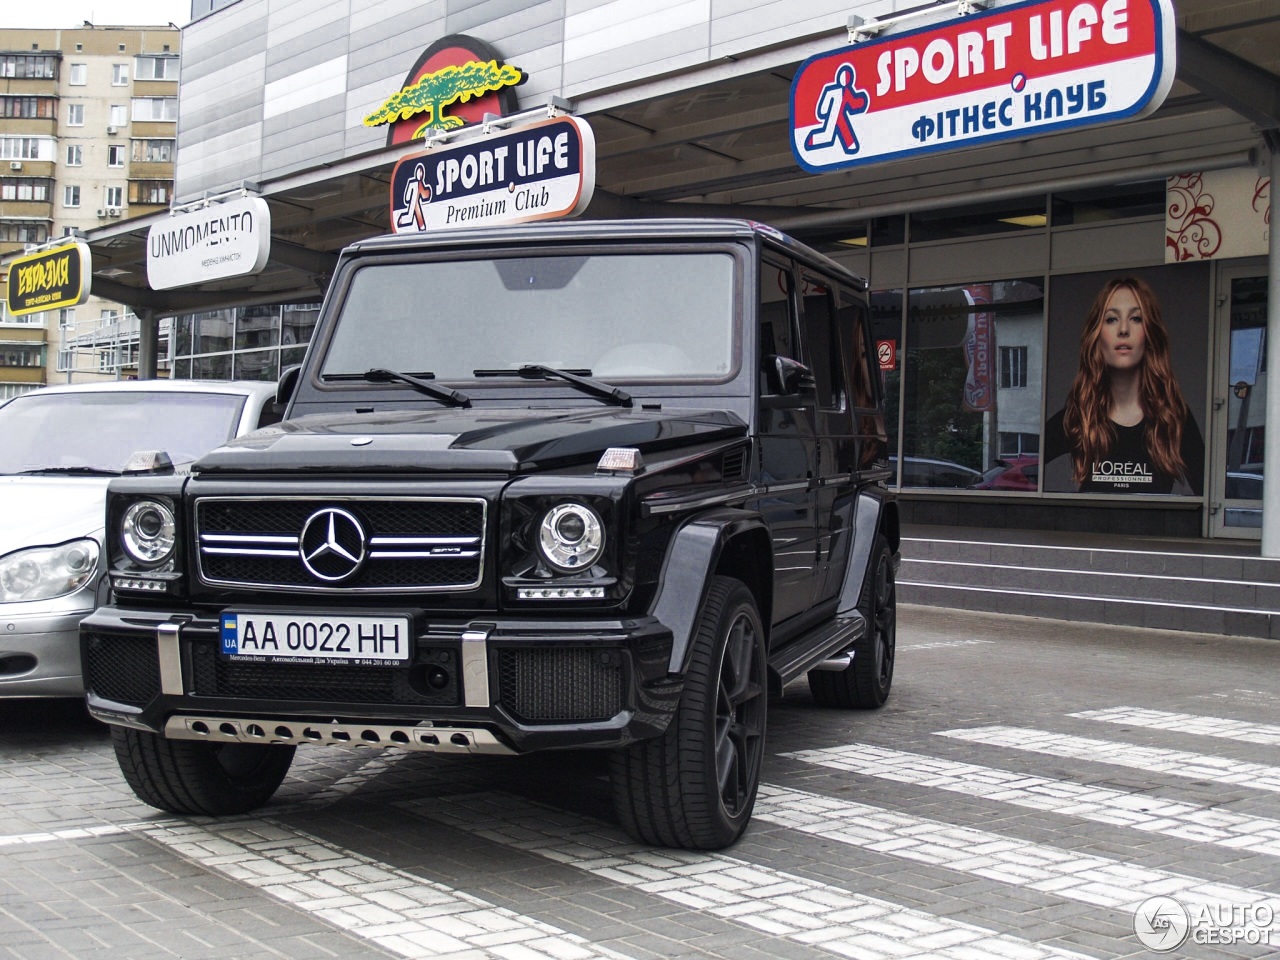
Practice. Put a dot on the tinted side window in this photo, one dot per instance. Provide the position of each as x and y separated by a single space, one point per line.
863 366
777 321
821 340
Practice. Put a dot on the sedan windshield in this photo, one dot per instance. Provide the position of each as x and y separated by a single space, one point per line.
79 433
607 316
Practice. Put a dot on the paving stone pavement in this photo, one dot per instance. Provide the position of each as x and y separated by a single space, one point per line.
1030 786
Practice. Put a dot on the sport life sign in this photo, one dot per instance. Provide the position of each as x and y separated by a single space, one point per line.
535 172
230 239
1011 72
60 277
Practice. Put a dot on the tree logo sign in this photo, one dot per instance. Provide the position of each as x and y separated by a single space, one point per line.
456 81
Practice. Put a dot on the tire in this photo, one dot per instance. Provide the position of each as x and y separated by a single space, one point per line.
201 779
865 684
695 786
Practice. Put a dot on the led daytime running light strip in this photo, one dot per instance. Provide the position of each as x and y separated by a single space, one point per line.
560 593
134 583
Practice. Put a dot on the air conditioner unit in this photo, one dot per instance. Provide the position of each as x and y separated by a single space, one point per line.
101 212
15 165
113 211
111 131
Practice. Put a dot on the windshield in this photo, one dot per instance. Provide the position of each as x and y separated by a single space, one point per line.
99 430
621 316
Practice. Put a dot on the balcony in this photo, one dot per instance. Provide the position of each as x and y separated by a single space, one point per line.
26 209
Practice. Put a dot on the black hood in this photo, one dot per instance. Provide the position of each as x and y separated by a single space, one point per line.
499 439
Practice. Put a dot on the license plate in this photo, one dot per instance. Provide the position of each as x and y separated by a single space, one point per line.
286 638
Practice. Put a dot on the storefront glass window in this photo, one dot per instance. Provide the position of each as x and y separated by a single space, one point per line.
291 356
886 332
257 327
298 321
888 231
217 367
257 365
973 374
213 331
1118 202
979 220
253 343
182 330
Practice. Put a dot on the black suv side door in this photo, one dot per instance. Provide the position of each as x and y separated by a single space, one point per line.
788 463
826 341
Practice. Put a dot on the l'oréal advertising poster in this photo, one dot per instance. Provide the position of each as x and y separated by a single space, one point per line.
1125 382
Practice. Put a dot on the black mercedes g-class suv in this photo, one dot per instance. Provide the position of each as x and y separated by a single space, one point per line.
576 485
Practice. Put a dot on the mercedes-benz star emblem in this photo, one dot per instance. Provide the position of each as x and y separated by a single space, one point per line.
332 545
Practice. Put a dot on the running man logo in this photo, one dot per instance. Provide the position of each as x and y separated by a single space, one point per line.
838 104
456 70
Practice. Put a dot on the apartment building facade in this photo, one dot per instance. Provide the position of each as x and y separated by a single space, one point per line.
88 124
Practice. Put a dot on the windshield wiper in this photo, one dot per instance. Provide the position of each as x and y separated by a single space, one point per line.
538 371
82 471
420 382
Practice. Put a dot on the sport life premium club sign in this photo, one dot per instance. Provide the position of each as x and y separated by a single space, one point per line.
230 239
60 277
1003 74
536 172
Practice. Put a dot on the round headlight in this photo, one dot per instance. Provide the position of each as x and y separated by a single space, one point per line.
147 532
40 573
571 537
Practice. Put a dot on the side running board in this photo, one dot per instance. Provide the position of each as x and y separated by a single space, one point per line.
810 651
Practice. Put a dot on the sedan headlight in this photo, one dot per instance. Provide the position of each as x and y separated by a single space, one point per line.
40 573
147 532
571 537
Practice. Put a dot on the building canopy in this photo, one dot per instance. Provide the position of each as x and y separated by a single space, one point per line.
713 137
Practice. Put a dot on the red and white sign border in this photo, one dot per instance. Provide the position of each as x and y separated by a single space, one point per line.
1161 80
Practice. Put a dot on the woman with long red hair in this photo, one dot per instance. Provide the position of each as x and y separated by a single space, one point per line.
1126 424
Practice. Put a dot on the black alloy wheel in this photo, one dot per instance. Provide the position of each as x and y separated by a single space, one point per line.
740 714
695 786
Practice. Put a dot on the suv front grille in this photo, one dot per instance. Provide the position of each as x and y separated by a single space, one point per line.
561 684
123 669
341 545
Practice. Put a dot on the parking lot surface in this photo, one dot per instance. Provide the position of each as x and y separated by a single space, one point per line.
1033 789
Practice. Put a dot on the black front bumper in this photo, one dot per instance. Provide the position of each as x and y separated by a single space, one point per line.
491 685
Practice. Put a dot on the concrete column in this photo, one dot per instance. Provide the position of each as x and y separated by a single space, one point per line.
1271 457
148 343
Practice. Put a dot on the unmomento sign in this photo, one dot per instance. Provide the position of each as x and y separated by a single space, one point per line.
534 172
1016 71
228 239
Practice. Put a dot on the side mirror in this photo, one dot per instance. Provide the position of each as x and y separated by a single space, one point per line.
793 376
285 386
